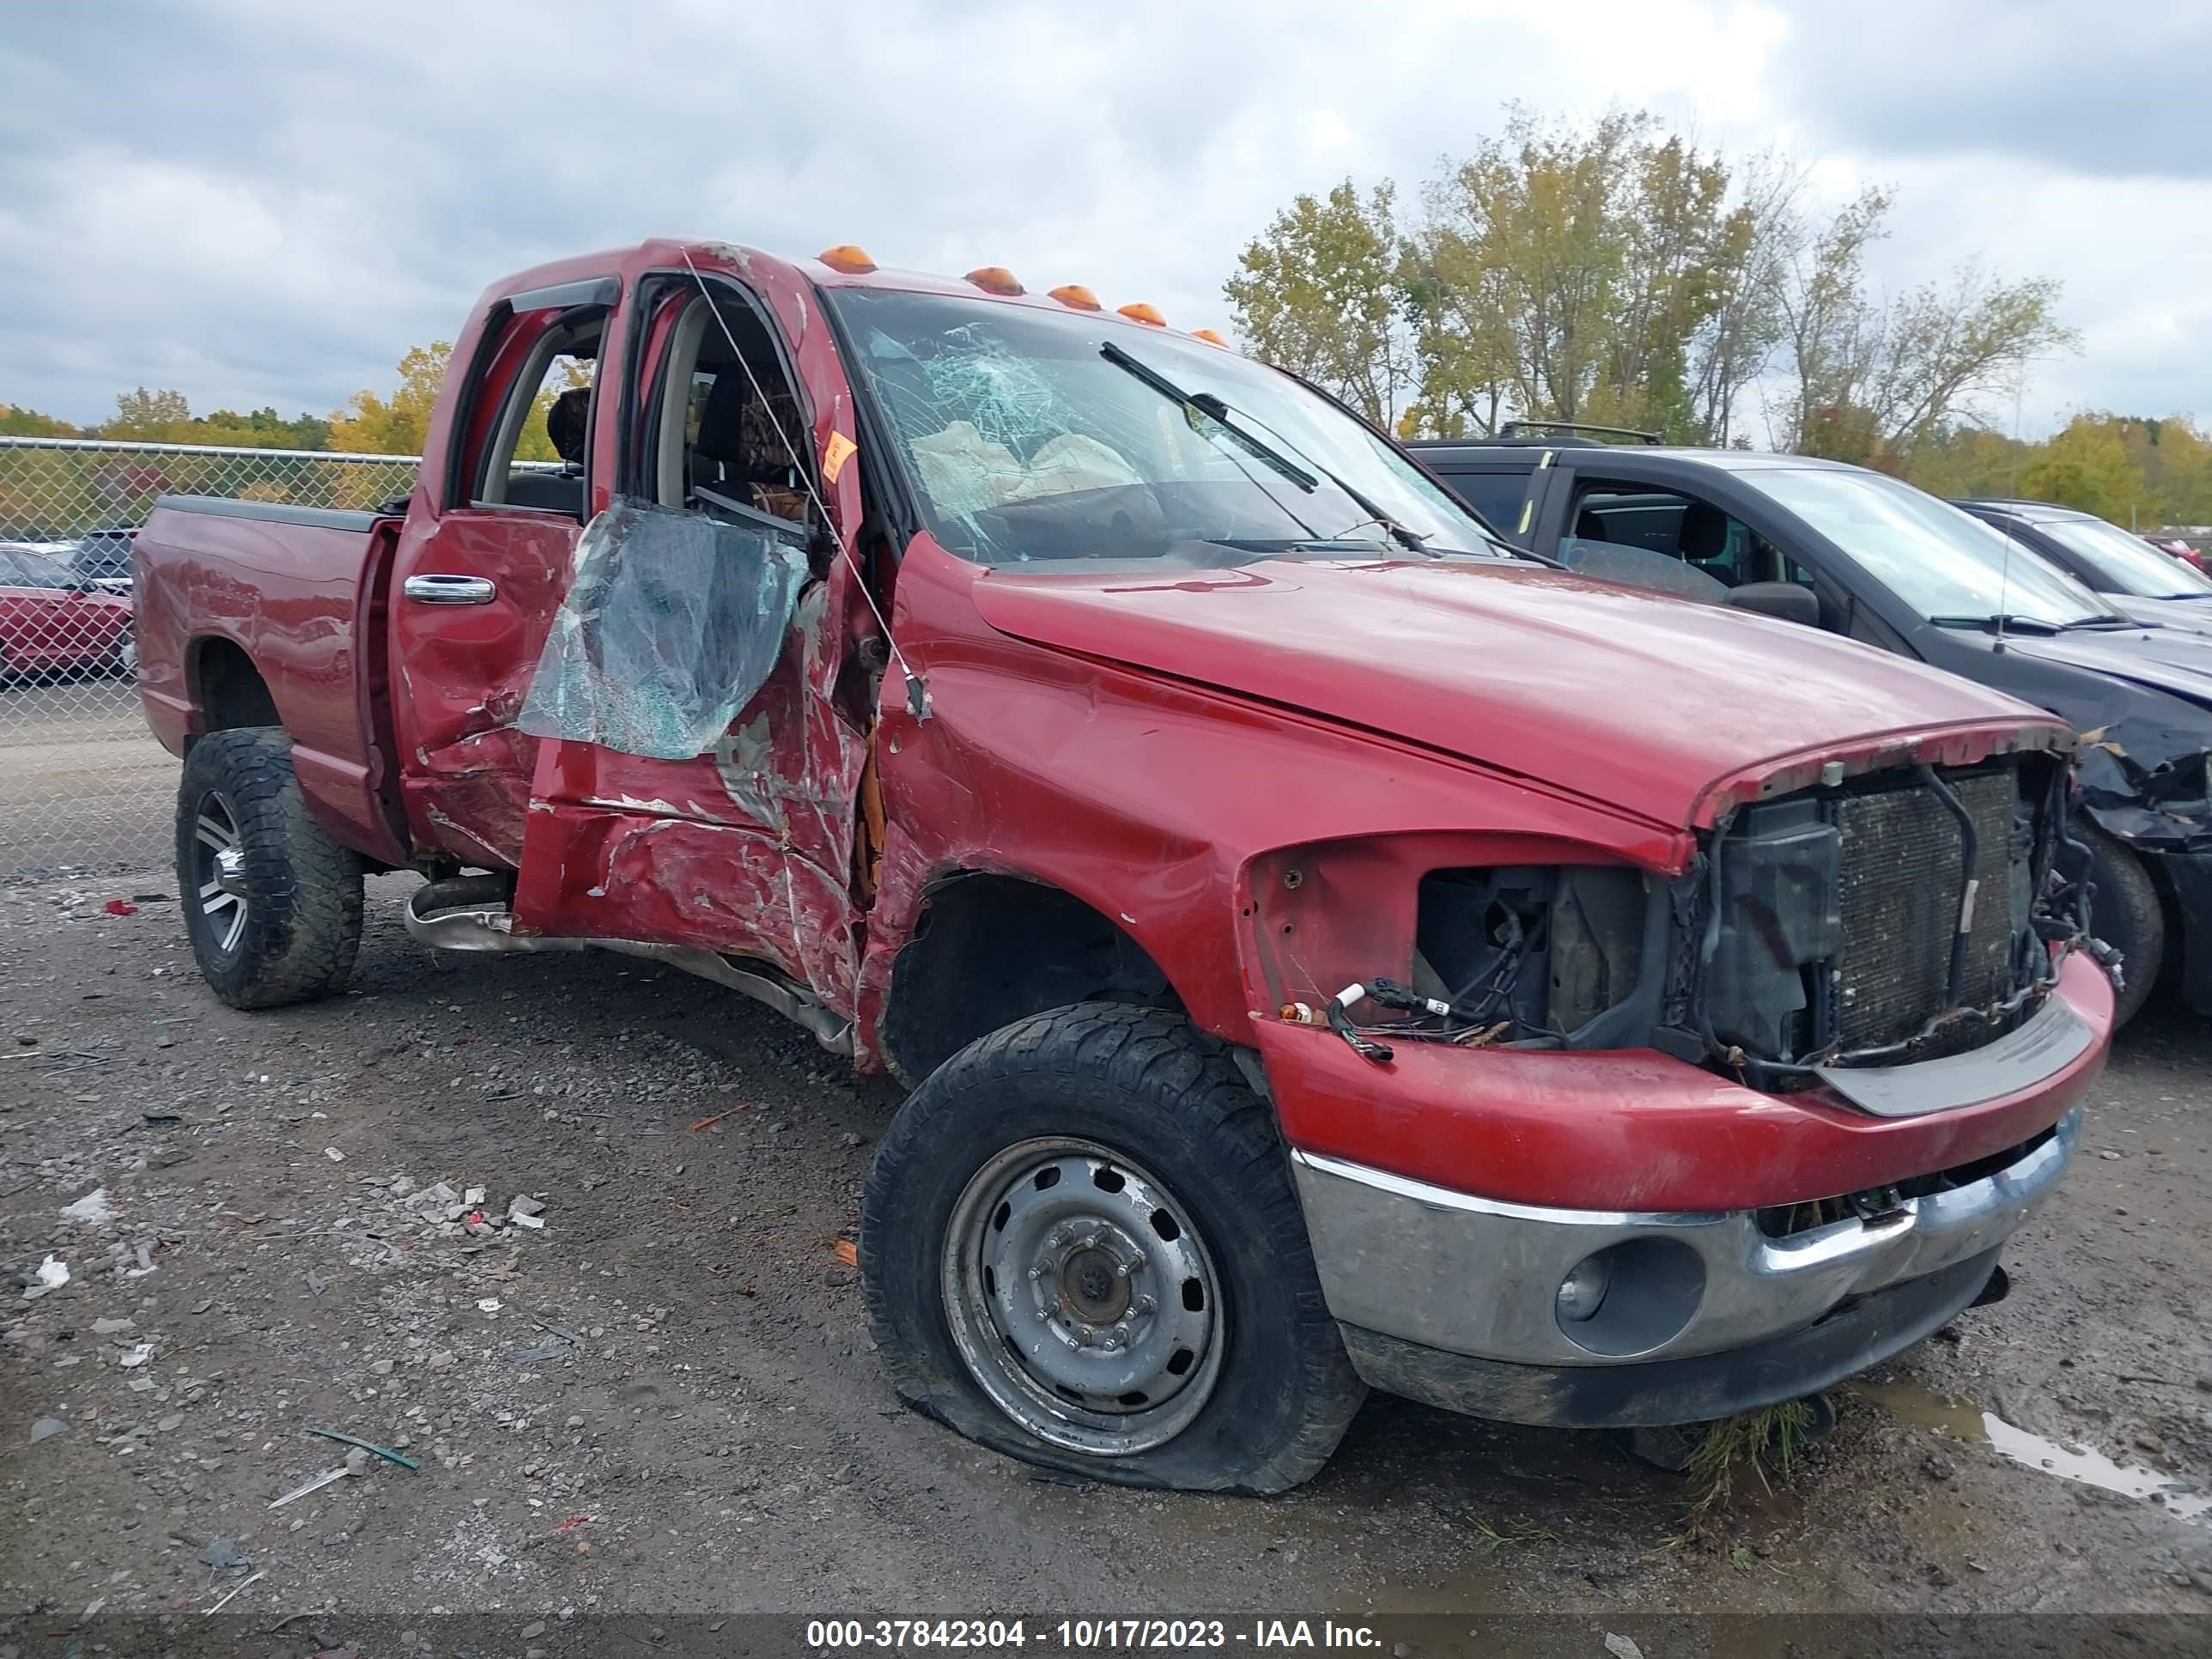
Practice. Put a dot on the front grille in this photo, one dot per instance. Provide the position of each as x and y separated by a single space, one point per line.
1901 905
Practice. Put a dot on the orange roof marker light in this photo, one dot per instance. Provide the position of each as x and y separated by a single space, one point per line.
853 261
1142 313
1208 335
1076 297
995 279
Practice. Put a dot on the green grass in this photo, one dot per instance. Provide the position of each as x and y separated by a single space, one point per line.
1763 1445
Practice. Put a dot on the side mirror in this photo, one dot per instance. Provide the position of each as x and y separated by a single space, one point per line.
1785 601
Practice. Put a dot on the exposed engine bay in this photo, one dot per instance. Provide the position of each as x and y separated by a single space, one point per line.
1904 914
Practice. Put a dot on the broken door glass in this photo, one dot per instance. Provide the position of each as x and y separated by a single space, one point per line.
671 624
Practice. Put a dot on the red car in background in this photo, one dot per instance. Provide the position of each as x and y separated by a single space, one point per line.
52 620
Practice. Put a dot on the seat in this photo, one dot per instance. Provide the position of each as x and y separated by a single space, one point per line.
1704 542
553 492
722 428
738 446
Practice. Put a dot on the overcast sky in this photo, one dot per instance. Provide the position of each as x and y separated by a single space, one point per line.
267 203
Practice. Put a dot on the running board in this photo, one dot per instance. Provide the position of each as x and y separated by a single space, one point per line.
471 912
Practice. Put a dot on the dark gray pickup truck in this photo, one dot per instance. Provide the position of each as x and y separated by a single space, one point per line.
1857 553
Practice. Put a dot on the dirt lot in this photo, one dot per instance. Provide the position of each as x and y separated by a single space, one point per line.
664 1400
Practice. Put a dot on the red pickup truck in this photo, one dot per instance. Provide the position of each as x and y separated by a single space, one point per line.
1327 947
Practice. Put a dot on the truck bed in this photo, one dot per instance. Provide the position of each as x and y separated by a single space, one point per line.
253 613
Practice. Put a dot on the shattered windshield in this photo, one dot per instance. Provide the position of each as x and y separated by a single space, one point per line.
1027 439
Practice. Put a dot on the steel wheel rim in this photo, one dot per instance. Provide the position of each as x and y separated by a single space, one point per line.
1082 1298
219 871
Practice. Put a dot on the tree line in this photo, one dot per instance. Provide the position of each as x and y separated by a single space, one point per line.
369 424
1609 271
1612 273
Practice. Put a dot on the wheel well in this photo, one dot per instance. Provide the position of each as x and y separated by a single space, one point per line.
229 688
992 949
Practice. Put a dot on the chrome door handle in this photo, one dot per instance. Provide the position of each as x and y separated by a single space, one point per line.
451 590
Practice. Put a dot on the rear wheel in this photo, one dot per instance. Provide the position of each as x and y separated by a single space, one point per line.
2126 914
1082 1247
272 904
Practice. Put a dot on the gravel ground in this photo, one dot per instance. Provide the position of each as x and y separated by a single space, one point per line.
663 1401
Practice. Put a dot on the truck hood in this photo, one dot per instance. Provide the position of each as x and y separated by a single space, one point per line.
1624 696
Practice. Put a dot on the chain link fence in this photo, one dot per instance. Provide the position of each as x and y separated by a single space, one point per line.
84 789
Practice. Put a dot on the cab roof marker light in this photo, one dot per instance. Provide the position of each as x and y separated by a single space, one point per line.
1142 313
1076 297
1209 336
995 279
845 257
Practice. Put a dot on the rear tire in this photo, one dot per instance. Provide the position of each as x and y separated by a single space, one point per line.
272 904
2125 913
1082 1247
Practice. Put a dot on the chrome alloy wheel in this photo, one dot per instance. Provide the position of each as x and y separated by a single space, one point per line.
219 872
1082 1298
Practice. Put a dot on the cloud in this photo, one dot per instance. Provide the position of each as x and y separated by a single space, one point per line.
2110 92
267 203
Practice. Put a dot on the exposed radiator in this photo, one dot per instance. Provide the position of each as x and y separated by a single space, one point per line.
1900 904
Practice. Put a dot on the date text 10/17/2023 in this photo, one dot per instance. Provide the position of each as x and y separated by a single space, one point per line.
1083 1635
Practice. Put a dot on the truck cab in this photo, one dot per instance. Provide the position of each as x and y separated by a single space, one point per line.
1327 947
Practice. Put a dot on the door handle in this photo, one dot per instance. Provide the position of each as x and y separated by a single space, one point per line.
451 590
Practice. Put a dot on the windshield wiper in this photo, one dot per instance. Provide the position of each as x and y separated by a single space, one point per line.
1214 410
1217 413
1297 543
2016 624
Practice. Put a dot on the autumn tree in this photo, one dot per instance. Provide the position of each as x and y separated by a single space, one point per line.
1515 263
1870 378
165 416
148 416
2086 466
1316 293
370 425
16 421
1966 458
2173 457
1613 273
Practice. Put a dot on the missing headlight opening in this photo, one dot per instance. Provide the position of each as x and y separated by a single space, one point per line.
1900 915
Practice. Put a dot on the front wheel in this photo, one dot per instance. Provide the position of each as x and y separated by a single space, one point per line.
272 904
1082 1246
2125 913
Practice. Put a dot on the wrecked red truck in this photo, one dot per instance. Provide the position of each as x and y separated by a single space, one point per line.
1326 948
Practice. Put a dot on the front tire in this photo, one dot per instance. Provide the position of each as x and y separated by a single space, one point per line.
2124 912
272 904
1082 1247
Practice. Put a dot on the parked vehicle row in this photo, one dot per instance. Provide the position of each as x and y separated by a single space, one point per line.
1328 947
1855 554
52 620
2142 583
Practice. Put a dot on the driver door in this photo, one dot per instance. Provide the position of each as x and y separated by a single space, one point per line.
744 849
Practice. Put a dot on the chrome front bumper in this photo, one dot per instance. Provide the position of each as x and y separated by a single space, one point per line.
1469 1276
